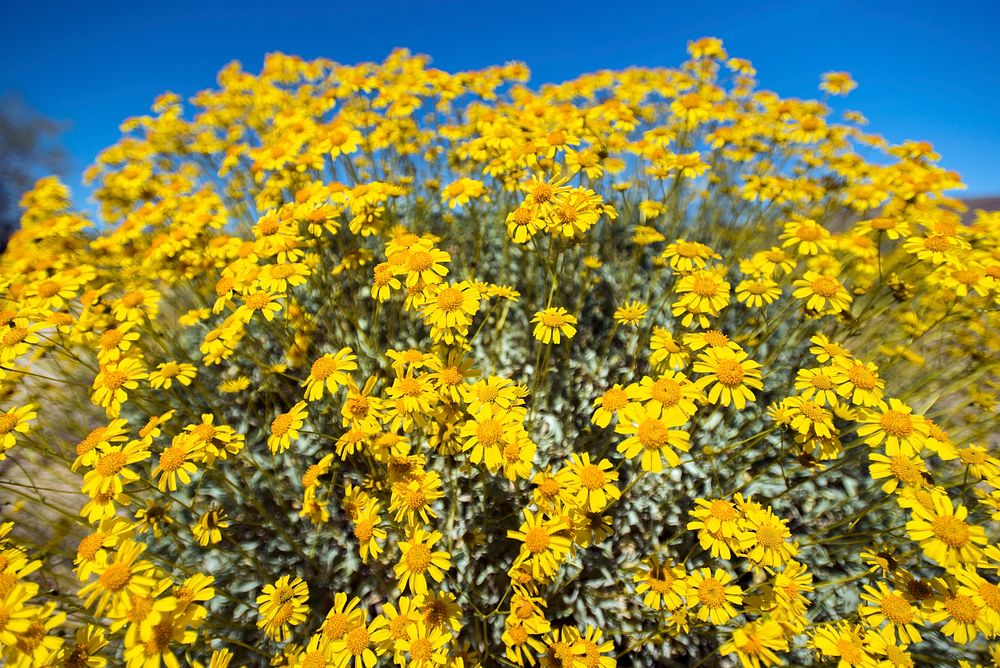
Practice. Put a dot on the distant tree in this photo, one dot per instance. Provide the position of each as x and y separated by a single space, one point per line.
29 149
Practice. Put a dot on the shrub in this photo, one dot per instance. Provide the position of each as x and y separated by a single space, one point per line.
382 363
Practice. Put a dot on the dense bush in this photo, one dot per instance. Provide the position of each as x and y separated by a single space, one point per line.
379 362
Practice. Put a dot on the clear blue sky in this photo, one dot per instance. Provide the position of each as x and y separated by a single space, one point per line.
926 70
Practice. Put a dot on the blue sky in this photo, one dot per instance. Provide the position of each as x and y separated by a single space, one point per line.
926 70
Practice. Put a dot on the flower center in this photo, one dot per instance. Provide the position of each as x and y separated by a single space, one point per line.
896 609
489 431
950 530
420 261
450 299
335 626
711 593
614 399
962 609
553 319
667 391
897 423
904 470
7 422
115 577
825 286
421 649
364 530
280 424
705 286
770 536
113 380
418 558
173 458
591 476
730 372
862 377
536 540
323 367
652 434
110 464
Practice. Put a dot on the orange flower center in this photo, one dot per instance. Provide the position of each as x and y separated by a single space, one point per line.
536 539
592 477
115 577
896 609
730 373
711 593
962 609
418 558
825 286
653 434
897 423
110 464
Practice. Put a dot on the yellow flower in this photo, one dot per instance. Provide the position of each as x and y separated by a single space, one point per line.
837 83
631 313
523 223
362 643
166 372
449 310
368 532
731 376
258 301
670 397
425 645
281 606
893 609
858 382
208 530
666 352
764 539
718 524
962 614
543 548
842 641
757 292
112 381
824 294
897 426
661 585
806 236
285 428
552 324
121 578
756 644
177 462
110 472
944 534
418 561
594 482
651 437
458 193
712 595
15 420
330 372
900 465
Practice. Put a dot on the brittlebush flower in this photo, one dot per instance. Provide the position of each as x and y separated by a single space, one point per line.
944 533
552 324
661 585
731 377
757 643
712 596
281 606
651 438
418 562
329 372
